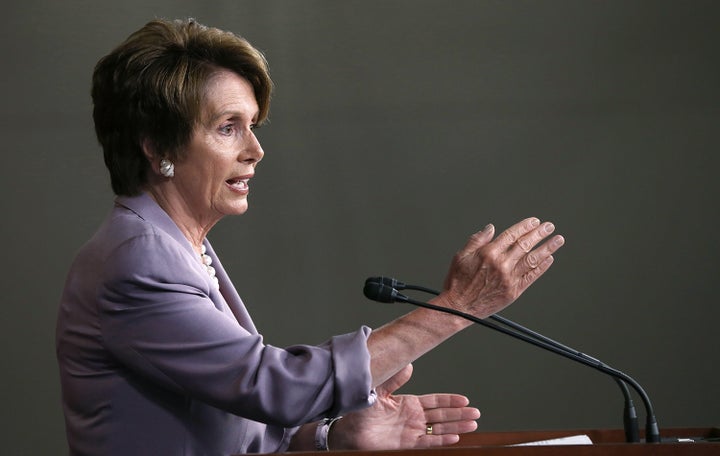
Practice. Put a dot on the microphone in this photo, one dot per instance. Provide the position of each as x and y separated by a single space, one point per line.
385 289
389 295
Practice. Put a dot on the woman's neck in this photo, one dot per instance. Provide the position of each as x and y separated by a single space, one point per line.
191 224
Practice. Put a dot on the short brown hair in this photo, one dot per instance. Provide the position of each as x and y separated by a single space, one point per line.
151 86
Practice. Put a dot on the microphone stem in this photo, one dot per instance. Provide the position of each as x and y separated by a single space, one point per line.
630 419
629 413
651 428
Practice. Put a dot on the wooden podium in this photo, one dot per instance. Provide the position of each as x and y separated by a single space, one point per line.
605 442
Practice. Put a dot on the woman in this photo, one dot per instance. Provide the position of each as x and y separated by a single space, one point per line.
157 352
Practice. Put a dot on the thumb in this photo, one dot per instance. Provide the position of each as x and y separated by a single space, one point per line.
396 381
480 238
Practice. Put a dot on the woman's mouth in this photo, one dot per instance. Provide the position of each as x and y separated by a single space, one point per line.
239 184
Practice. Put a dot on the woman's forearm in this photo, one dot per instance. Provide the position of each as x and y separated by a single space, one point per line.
403 340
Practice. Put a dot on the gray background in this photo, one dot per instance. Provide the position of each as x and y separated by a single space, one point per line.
398 129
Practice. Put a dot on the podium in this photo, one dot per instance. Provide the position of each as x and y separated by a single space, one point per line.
611 442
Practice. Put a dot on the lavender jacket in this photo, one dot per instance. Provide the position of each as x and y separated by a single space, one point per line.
154 360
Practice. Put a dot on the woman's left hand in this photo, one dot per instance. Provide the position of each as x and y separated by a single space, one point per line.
405 421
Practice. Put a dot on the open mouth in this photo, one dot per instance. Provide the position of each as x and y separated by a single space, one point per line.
239 184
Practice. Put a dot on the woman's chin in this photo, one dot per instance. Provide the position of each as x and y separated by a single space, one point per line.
238 208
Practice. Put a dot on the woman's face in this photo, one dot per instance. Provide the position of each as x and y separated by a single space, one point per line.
213 177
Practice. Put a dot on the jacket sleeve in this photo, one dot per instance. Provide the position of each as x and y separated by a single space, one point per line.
156 318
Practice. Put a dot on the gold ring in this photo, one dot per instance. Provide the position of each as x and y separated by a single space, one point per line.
428 429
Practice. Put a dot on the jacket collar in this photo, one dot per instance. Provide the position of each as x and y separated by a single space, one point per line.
148 209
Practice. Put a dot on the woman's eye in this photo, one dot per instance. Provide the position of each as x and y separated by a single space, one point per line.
226 129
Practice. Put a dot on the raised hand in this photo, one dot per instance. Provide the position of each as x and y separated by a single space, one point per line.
488 275
485 276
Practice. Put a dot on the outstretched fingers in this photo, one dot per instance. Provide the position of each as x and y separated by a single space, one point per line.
435 440
535 262
512 235
447 416
520 243
489 274
442 400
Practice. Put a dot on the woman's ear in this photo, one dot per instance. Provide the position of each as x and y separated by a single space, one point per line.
151 155
149 150
158 164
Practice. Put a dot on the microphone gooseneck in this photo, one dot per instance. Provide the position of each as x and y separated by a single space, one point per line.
385 289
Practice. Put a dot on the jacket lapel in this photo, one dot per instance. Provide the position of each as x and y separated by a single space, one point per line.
147 209
227 290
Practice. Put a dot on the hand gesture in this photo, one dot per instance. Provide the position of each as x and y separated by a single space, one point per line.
405 421
488 275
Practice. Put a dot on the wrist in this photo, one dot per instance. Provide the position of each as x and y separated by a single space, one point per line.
322 433
456 322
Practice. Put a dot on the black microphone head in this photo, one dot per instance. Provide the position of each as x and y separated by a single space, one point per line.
379 292
388 281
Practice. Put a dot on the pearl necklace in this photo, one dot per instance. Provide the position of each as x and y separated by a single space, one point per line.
207 261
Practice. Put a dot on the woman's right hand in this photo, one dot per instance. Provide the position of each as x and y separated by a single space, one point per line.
488 274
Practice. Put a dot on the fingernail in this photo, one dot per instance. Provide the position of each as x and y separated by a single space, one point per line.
534 222
549 227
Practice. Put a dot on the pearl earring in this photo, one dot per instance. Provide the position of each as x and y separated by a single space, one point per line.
167 168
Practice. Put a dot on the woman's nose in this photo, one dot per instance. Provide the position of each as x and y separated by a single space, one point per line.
253 150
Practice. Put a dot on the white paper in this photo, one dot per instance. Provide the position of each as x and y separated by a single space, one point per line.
581 439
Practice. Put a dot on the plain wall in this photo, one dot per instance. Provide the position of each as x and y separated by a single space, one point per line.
398 128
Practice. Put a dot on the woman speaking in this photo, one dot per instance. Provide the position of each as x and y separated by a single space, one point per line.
157 353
